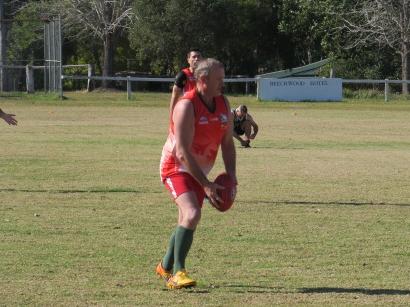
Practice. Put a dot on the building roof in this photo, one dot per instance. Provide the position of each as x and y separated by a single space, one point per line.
309 70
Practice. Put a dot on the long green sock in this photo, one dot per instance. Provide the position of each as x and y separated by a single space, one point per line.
168 260
183 241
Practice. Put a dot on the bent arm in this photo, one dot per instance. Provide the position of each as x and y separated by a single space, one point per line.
183 117
235 135
228 147
176 94
255 127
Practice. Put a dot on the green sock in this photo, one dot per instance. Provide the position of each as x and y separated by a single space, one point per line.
168 260
183 241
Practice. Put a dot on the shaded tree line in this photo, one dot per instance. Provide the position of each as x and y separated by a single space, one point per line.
364 39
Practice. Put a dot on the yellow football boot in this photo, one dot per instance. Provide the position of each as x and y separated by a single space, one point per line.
162 273
180 280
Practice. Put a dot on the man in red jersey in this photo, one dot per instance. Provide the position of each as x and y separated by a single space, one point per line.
8 118
201 122
185 80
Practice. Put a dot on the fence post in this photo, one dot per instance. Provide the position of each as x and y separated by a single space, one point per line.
128 88
61 91
90 74
386 90
29 79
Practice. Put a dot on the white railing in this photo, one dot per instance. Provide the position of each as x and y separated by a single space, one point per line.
386 82
129 79
148 79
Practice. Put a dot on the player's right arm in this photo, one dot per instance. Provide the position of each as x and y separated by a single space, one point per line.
184 129
254 126
177 90
236 136
176 93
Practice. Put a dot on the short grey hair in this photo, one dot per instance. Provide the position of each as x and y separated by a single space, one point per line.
205 66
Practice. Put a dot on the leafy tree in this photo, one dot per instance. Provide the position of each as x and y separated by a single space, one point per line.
305 25
235 32
26 35
383 23
105 20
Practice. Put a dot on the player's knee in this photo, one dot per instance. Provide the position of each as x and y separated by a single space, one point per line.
192 217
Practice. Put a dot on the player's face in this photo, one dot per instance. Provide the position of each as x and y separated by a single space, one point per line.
216 81
239 113
193 58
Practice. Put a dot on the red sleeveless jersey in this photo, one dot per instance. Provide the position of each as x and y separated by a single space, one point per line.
190 80
209 128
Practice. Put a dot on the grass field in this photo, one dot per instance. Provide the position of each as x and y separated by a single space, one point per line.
321 216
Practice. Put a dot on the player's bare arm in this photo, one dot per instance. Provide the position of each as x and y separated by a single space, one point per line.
228 147
183 117
176 94
255 127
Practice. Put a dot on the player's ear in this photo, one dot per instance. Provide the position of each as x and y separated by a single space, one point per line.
203 78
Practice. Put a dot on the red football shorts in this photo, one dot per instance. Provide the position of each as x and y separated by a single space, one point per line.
181 183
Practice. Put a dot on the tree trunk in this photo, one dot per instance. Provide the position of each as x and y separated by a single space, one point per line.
108 60
405 68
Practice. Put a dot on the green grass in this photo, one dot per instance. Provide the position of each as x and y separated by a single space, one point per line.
321 216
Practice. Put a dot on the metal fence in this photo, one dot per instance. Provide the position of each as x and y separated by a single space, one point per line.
248 82
129 80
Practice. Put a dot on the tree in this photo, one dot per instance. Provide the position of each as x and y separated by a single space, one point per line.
384 23
102 19
240 33
7 11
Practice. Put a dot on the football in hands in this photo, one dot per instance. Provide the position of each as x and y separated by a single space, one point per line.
228 193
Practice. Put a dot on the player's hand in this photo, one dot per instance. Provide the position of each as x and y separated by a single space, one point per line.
211 193
9 118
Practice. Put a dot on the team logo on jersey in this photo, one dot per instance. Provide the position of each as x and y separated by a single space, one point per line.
203 120
223 118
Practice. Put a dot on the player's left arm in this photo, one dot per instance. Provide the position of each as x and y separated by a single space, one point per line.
254 125
228 147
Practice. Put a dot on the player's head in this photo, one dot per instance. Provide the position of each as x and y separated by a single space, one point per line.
193 57
209 75
241 111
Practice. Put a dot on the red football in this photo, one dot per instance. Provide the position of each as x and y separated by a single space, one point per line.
228 194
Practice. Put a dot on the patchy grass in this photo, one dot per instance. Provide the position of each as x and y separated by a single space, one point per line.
321 215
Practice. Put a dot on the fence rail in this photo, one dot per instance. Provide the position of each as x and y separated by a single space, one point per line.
130 79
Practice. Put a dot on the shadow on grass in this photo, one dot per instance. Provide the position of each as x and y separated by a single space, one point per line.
240 288
312 203
355 290
74 191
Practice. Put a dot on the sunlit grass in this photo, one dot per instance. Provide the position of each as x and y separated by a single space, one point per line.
321 215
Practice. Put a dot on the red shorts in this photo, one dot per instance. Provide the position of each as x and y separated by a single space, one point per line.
181 183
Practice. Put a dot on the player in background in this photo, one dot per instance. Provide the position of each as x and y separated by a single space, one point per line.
201 122
243 124
8 118
185 79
